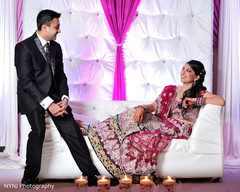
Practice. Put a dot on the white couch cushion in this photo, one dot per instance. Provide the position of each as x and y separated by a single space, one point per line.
206 135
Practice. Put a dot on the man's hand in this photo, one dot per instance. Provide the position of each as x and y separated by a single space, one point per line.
58 109
63 104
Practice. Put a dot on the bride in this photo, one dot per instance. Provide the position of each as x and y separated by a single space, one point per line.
129 143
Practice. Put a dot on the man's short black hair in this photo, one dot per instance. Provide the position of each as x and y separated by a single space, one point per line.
45 17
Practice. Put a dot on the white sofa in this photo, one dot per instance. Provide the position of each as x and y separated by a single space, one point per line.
199 156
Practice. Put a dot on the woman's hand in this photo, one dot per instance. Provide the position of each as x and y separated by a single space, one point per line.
138 115
188 101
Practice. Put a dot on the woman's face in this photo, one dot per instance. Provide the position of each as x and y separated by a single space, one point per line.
188 75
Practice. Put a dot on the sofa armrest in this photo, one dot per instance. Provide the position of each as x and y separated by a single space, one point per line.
206 134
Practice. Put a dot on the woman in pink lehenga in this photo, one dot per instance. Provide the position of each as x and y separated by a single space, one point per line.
129 143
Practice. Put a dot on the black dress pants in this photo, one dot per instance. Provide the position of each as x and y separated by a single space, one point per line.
69 131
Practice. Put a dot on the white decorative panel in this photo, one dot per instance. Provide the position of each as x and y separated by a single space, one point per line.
164 35
87 43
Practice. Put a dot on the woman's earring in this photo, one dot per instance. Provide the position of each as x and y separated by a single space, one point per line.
194 83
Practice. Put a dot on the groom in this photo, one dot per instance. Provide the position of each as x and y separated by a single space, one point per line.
42 88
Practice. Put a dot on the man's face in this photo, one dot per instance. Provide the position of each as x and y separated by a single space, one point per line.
53 30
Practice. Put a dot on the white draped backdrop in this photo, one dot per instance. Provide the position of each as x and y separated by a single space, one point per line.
227 84
229 80
8 79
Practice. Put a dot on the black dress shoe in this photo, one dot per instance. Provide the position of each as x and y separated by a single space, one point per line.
29 183
114 181
136 179
92 180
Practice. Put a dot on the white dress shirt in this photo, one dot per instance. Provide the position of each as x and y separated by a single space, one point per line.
45 103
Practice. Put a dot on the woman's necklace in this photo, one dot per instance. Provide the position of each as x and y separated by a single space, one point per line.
180 92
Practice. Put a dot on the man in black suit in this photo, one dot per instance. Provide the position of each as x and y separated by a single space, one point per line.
42 88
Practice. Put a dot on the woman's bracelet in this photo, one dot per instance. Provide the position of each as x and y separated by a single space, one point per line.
143 107
200 101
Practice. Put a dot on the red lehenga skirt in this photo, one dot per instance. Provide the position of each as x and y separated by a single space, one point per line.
125 147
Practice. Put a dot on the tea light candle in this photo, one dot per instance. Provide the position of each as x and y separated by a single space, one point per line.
146 183
168 183
126 179
146 180
103 183
81 183
125 182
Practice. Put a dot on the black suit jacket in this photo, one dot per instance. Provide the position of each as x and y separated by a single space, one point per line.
34 74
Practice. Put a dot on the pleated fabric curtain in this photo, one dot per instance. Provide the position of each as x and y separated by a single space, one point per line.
8 86
19 12
216 23
119 14
228 79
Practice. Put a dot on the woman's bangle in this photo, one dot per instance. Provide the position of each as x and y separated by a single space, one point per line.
143 107
200 101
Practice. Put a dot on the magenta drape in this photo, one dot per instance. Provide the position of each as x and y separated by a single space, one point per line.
19 11
216 23
119 14
19 15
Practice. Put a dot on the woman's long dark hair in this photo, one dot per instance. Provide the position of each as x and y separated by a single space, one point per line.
194 91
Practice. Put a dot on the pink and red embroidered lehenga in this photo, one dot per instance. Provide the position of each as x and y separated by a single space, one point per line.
125 147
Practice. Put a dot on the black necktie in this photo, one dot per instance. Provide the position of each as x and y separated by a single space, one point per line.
48 56
53 90
48 53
